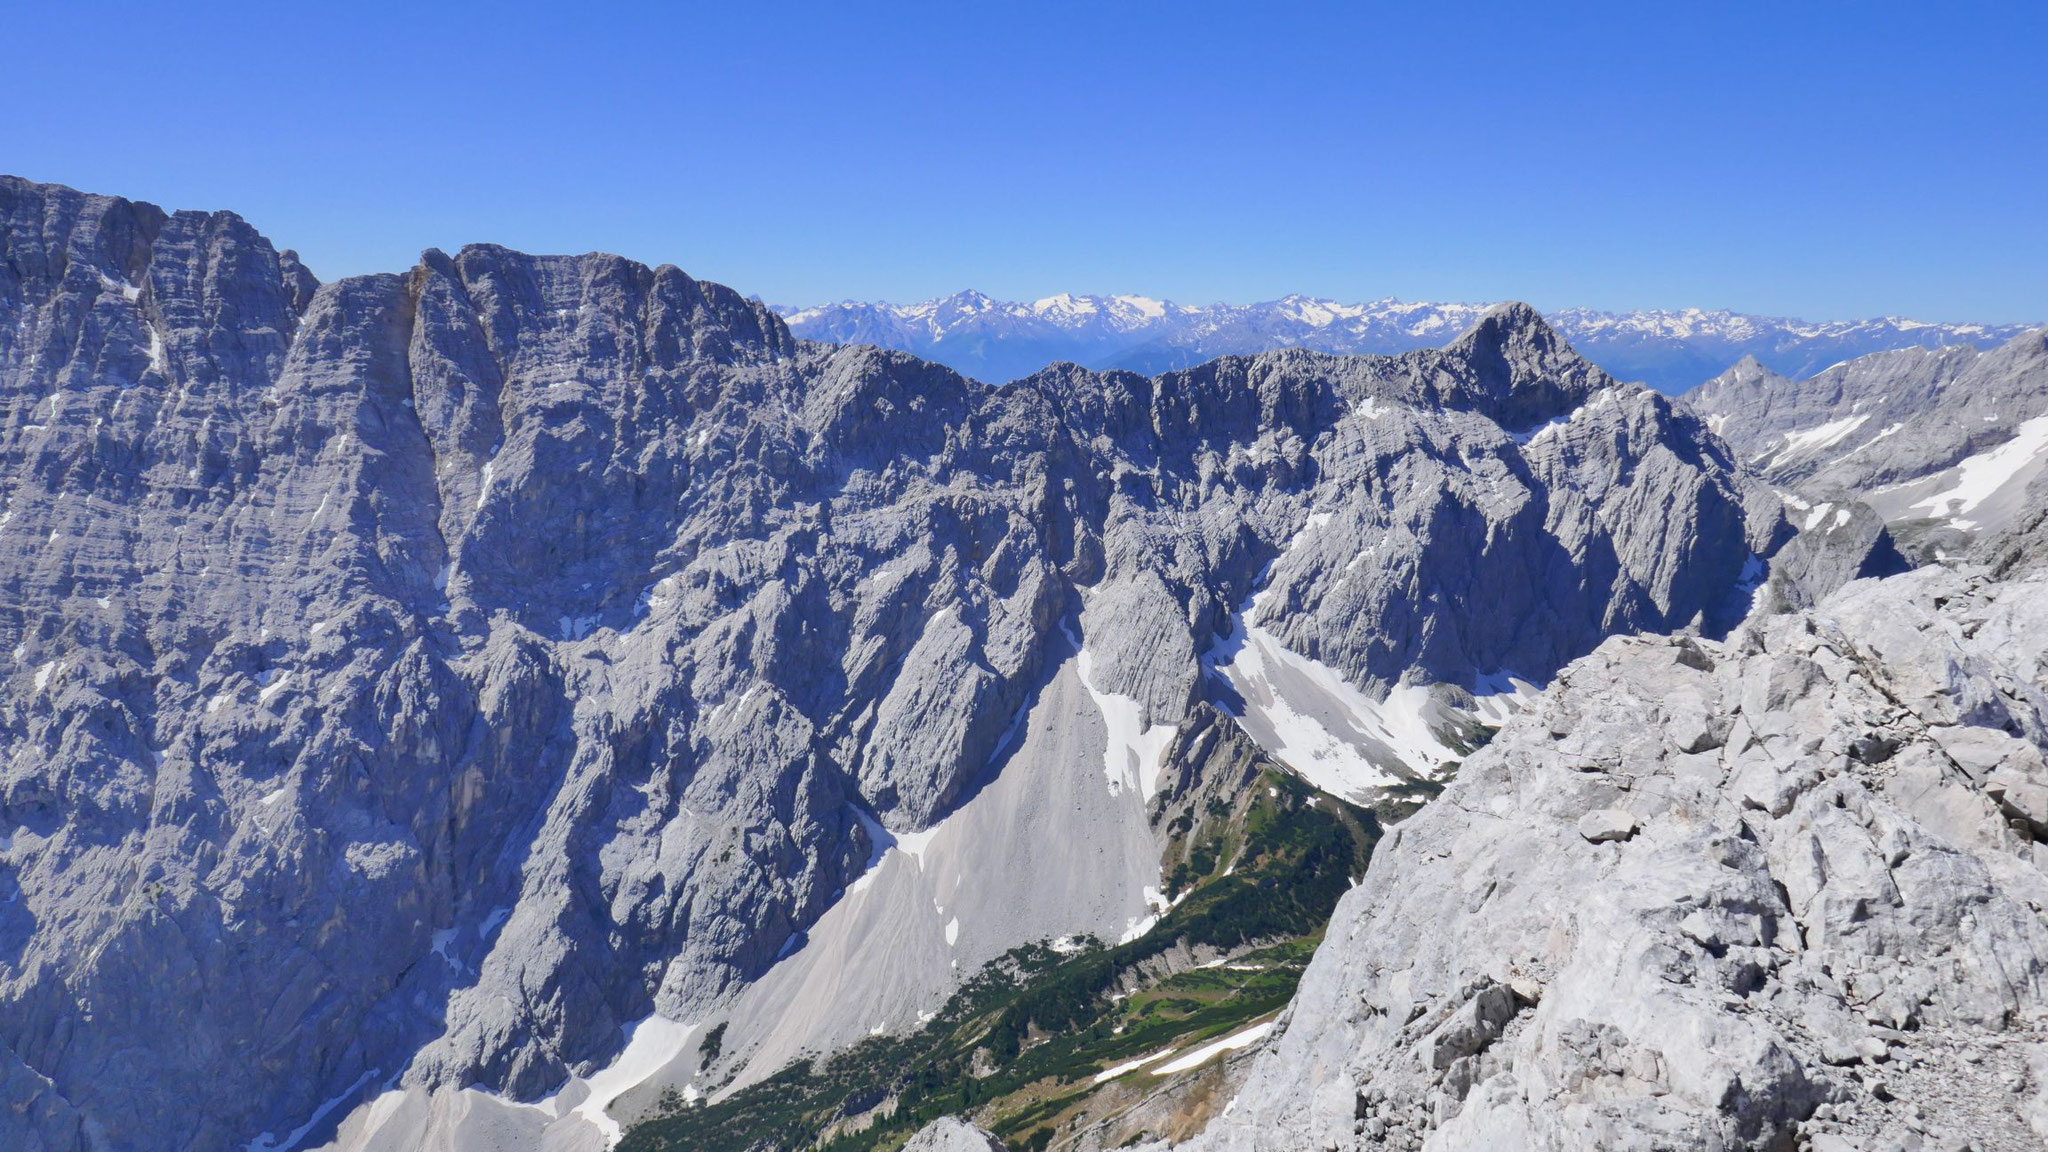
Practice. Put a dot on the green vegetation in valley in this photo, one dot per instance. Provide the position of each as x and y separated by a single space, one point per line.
1020 1043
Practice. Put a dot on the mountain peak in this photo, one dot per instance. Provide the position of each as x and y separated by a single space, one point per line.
1672 350
1506 329
1523 372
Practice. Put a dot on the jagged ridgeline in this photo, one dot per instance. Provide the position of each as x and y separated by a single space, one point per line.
422 684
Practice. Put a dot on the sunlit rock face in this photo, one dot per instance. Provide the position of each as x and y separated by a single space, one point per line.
1948 446
423 683
1783 890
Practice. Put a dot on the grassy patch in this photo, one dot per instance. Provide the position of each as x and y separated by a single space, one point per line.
1019 1044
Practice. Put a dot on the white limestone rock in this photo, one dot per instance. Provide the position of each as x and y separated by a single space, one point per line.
951 1134
1838 888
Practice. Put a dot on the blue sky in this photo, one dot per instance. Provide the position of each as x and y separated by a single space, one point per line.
1826 159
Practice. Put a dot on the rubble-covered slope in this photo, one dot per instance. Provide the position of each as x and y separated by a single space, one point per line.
1784 889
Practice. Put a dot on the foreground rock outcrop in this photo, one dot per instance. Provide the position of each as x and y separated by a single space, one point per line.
1783 889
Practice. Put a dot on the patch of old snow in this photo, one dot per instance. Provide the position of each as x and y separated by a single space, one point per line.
650 1045
1137 926
1134 755
1210 1051
1500 695
1986 474
268 1142
1312 720
1821 437
491 922
1108 1074
277 683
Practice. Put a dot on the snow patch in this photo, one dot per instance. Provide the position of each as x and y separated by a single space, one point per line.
650 1045
1312 720
1108 1074
277 683
270 1143
1134 755
1208 1052
491 922
1819 438
442 939
1983 476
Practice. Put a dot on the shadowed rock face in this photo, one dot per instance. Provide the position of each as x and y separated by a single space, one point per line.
1781 889
421 677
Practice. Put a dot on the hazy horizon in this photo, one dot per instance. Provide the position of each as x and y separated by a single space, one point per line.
1824 163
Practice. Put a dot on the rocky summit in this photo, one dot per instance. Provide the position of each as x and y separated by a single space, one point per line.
439 703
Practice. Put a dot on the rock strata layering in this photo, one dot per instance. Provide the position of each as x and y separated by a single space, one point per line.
428 681
1943 443
1825 930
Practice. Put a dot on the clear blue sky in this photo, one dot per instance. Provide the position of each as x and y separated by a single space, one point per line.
1825 160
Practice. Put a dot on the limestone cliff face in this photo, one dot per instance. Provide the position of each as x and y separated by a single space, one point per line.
1781 890
418 678
1942 443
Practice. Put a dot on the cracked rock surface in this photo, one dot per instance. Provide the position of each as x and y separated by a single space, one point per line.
1826 931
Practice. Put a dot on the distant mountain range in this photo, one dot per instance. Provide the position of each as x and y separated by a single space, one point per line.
998 340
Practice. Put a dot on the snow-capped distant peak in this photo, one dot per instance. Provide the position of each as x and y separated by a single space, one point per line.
1672 349
1065 304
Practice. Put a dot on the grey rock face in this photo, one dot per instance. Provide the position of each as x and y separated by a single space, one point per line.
948 1134
1823 926
2023 546
1836 543
417 679
1942 443
1670 350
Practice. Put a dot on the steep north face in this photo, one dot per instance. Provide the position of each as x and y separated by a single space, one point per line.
418 680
